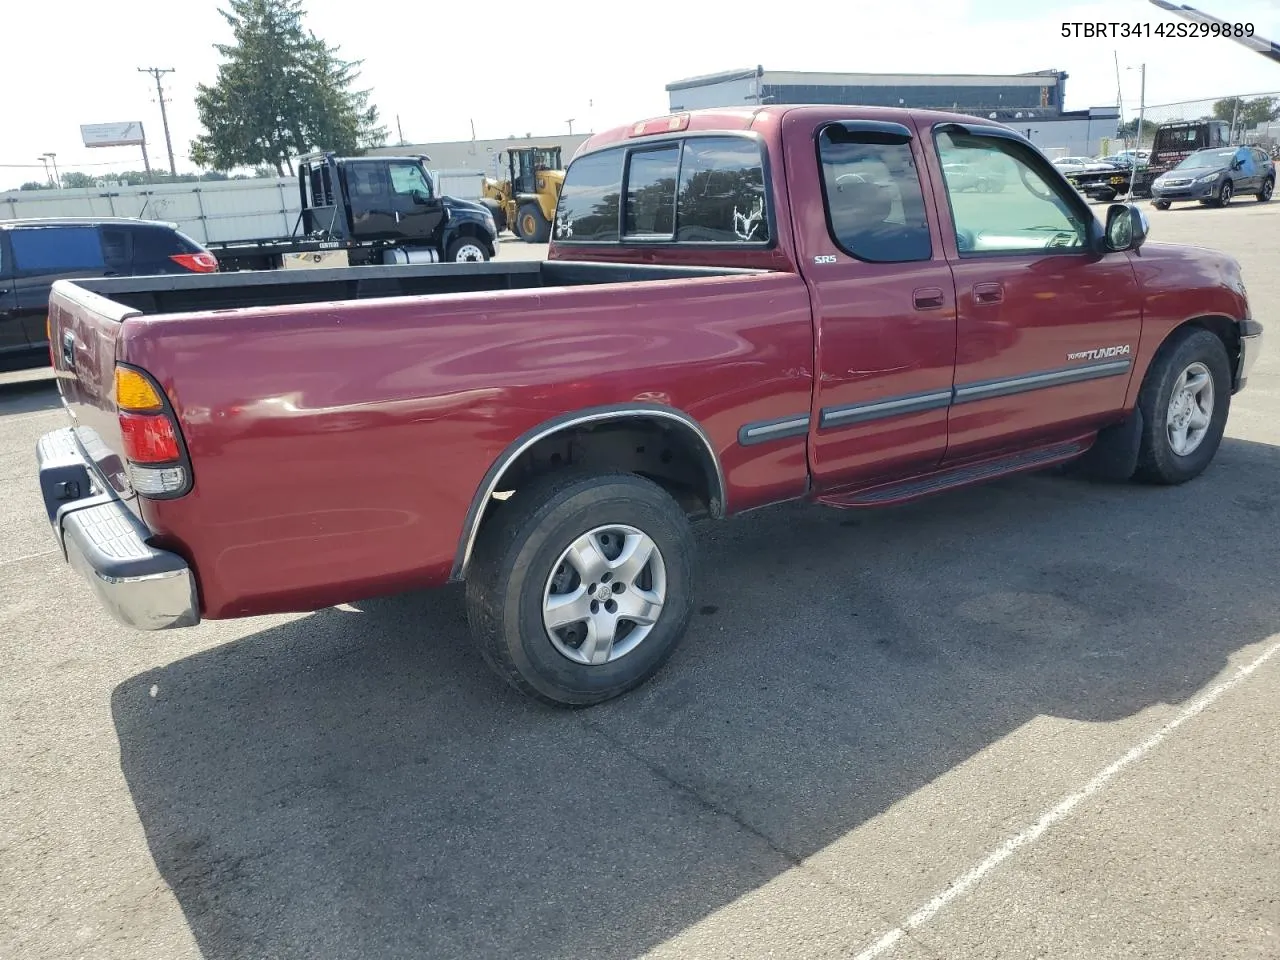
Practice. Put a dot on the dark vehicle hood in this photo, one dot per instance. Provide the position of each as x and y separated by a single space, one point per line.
464 207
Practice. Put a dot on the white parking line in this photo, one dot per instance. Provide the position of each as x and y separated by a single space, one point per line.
29 556
967 881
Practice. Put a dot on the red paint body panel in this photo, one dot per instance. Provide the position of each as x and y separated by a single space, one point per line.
337 448
336 451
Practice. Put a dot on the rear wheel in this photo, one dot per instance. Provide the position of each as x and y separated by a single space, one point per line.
1268 187
581 586
534 227
1184 401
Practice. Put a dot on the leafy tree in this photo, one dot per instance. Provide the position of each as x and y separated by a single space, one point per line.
34 185
280 91
1131 128
1251 112
74 178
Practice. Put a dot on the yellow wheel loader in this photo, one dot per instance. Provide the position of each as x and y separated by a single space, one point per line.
525 202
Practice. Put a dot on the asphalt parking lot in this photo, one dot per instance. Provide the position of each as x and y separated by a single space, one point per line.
1032 719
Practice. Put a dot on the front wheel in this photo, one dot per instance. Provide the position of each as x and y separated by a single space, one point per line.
580 587
534 227
1184 401
1225 193
1268 187
1160 204
466 250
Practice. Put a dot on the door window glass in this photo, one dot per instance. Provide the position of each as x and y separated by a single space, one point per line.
1001 203
875 203
56 249
408 179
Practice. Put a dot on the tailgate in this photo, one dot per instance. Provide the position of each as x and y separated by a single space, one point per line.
83 330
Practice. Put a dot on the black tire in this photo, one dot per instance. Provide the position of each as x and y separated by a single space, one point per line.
517 553
1268 188
1160 204
470 249
1225 193
1157 460
533 226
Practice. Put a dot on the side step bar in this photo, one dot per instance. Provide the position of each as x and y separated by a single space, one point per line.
961 475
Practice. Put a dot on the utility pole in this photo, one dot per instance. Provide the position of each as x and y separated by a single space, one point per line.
570 122
44 158
399 130
1142 112
158 72
57 177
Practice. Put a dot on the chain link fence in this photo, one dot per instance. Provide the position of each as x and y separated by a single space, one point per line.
1250 118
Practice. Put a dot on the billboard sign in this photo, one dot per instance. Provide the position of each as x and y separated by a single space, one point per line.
112 134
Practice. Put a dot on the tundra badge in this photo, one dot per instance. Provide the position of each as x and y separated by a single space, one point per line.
1101 353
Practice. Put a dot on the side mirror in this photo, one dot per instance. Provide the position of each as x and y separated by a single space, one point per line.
420 197
1127 227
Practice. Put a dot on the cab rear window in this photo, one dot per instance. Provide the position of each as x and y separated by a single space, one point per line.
694 190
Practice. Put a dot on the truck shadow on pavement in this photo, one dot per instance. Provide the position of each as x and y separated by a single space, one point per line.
356 784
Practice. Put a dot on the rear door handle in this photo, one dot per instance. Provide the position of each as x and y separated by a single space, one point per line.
988 292
927 298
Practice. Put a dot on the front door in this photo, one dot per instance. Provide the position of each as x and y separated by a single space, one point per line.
1047 328
417 210
882 296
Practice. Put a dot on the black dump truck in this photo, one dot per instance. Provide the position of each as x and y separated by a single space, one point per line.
1173 143
369 210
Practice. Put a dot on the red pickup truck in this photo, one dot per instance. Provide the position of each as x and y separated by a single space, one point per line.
739 308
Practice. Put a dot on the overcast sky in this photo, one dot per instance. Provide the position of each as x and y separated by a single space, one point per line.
517 67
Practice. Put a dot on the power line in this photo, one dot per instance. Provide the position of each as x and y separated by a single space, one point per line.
158 72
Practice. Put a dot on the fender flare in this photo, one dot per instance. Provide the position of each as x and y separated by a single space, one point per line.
591 415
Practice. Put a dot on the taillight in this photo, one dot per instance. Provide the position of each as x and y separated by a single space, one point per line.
153 447
196 262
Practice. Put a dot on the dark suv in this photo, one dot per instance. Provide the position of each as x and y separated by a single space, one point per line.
35 253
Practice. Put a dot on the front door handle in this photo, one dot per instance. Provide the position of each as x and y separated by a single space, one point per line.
988 292
927 298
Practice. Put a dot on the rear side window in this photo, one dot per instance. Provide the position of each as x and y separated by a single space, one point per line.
589 201
56 249
875 204
695 190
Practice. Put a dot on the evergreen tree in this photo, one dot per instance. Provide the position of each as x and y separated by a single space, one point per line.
281 91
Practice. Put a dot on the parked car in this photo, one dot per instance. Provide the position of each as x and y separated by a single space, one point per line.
1079 164
34 254
727 320
1216 176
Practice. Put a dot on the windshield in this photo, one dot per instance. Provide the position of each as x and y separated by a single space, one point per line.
1207 158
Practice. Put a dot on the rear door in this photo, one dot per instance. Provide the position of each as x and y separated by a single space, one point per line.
43 255
882 295
12 336
369 197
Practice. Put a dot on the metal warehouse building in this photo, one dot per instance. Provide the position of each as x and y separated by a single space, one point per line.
1029 102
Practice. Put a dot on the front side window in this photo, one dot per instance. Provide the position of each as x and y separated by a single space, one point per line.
651 192
408 179
56 249
875 203
1001 203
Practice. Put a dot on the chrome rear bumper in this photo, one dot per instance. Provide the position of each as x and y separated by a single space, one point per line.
140 586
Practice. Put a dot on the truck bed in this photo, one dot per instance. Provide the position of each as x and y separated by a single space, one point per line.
185 294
